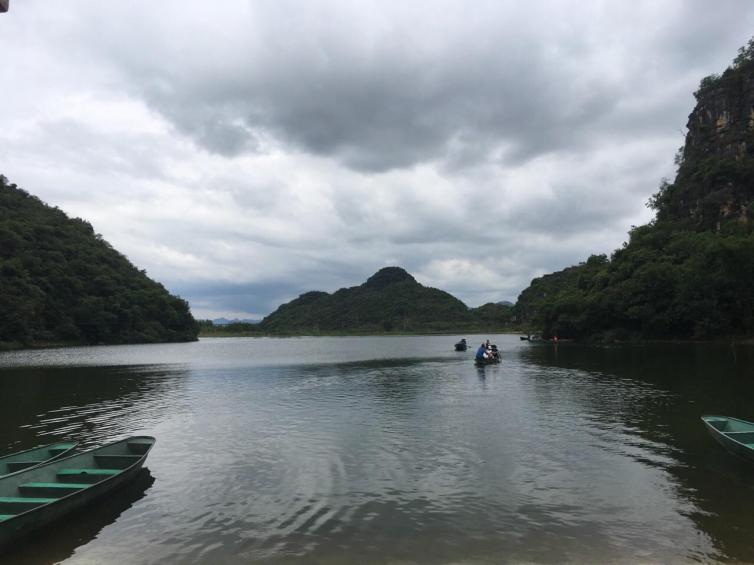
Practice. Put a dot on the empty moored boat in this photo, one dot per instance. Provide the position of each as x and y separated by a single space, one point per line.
737 436
34 457
33 498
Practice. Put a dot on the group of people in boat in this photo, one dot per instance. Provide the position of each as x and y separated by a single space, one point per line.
487 352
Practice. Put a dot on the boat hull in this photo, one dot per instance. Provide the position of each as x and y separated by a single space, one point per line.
736 436
30 458
483 362
24 524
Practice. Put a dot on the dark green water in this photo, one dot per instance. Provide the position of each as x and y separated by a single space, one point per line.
395 450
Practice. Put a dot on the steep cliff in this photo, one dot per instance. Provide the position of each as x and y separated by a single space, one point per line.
715 180
689 273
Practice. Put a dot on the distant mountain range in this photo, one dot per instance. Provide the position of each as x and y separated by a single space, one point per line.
391 300
226 321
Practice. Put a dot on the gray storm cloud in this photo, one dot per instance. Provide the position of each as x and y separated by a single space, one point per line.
248 151
380 85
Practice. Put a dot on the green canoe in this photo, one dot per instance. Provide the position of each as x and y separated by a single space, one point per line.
33 498
34 457
737 436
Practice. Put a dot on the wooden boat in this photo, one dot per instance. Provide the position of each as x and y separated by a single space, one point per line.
461 345
36 497
34 457
483 362
737 436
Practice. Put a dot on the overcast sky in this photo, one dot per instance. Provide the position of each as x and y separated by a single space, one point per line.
244 152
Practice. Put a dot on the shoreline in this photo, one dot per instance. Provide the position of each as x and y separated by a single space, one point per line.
6 347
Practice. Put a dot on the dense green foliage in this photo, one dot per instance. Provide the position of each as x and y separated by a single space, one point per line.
690 273
667 282
61 282
389 301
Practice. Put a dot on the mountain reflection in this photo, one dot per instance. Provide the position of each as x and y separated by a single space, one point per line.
681 382
91 405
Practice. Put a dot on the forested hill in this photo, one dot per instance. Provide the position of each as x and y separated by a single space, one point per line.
689 273
391 300
62 283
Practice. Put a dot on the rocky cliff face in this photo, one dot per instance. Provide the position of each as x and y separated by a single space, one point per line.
689 273
716 165
723 119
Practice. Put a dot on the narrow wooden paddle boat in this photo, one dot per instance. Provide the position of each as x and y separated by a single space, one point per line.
36 497
737 436
34 457
489 361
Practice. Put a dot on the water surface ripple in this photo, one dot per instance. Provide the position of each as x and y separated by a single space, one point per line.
394 450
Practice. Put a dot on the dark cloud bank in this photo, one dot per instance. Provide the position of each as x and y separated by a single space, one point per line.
312 143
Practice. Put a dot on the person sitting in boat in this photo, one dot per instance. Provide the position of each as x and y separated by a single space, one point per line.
494 351
481 353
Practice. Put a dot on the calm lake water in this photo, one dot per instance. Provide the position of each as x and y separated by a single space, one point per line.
395 450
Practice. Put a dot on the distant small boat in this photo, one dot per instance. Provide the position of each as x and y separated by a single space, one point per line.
34 457
35 497
461 345
737 436
524 338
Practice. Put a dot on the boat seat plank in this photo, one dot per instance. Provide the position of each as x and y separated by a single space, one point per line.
116 461
742 437
139 446
51 489
89 471
14 466
25 499
18 504
90 476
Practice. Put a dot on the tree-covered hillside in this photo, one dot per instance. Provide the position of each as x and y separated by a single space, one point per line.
389 301
689 273
61 282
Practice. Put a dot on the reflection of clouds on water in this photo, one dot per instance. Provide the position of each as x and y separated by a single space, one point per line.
415 454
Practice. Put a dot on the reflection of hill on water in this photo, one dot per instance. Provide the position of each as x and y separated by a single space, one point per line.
679 383
89 404
62 538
